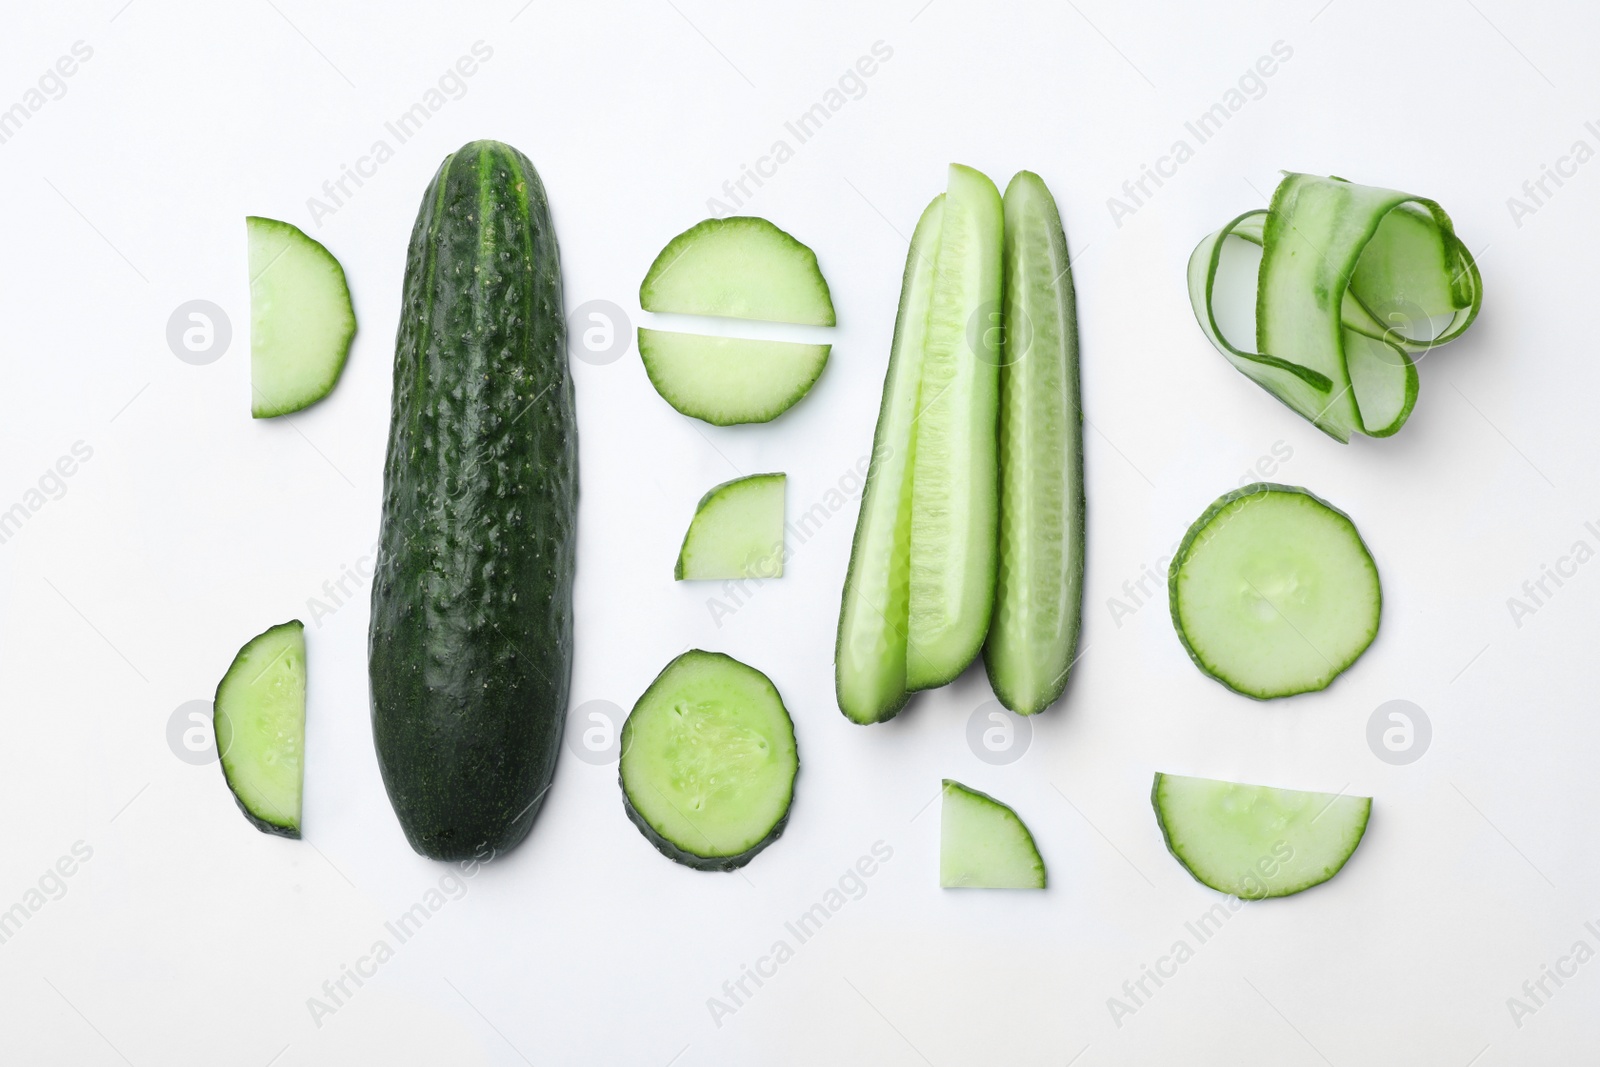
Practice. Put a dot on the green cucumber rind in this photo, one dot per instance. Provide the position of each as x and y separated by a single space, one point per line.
1200 525
675 852
470 647
344 346
1177 853
260 822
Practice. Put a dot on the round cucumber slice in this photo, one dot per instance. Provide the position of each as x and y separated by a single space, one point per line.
1274 592
1254 841
259 718
727 381
739 268
301 319
709 762
737 531
983 844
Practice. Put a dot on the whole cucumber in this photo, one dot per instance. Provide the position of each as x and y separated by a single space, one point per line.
471 641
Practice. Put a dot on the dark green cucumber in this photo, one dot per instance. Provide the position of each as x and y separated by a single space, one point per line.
471 639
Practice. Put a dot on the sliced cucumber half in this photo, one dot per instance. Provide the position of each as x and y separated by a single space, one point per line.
741 268
1038 604
1274 592
301 318
259 718
709 762
870 656
983 844
1255 841
729 380
737 531
954 490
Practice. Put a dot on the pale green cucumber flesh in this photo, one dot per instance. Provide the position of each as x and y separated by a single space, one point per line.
1352 280
709 762
983 844
729 380
870 657
741 268
259 719
301 318
1038 604
954 491
1273 592
737 531
1255 841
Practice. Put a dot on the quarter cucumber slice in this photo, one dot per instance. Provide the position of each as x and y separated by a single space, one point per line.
301 319
1353 280
1254 841
1038 604
729 380
1274 592
984 845
870 657
259 718
709 762
741 268
954 477
737 531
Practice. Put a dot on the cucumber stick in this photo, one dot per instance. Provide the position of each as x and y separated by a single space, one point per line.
471 636
870 658
259 719
954 491
1039 576
1255 841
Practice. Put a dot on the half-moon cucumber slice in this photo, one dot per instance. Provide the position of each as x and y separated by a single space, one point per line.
1255 841
739 268
729 380
301 319
259 718
1274 592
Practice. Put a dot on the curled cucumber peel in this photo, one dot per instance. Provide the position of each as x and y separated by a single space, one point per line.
1354 282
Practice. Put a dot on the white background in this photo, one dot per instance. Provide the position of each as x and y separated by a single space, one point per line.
189 938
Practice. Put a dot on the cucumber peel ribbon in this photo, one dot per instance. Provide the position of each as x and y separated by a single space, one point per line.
1354 281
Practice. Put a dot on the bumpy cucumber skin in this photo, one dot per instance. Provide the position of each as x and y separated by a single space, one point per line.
669 849
1288 891
1026 678
257 411
266 826
471 637
1182 554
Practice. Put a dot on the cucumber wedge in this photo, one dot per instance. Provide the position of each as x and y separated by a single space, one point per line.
737 531
984 845
870 657
1254 841
739 268
1274 592
259 718
729 380
301 319
709 762
954 492
1038 605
